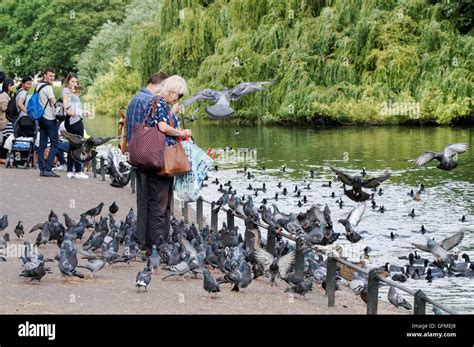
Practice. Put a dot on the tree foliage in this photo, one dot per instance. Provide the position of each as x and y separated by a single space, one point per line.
40 33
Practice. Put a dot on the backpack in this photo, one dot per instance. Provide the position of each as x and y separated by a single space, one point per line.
34 109
12 111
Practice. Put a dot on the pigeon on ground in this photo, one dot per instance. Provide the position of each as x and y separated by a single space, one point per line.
445 158
4 222
302 288
66 267
94 265
210 285
94 211
118 171
113 208
221 108
143 279
19 231
154 259
396 299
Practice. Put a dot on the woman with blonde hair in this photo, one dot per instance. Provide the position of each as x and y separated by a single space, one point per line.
159 189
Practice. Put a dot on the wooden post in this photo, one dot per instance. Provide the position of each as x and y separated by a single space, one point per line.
331 280
133 179
271 240
94 167
184 212
372 292
214 218
420 303
102 168
230 219
249 237
199 213
299 257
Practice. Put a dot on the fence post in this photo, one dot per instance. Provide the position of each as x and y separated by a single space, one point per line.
372 292
299 257
249 237
271 239
199 213
133 179
102 168
184 212
420 303
94 167
331 280
230 219
214 217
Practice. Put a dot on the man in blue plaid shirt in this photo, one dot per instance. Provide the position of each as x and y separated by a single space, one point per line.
136 112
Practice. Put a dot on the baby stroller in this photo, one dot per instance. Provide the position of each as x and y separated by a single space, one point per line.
23 149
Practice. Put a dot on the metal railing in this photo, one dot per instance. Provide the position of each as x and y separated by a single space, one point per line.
332 261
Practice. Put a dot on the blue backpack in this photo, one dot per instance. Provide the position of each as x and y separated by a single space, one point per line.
34 109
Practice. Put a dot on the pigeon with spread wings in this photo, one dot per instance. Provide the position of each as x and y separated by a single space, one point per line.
440 249
84 147
445 158
221 108
357 183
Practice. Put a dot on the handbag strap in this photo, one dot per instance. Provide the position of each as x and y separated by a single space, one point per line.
154 105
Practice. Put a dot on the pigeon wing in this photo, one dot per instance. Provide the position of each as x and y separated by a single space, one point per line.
73 138
425 158
284 263
345 178
188 247
264 258
246 88
356 214
205 94
374 182
455 148
452 241
101 140
421 247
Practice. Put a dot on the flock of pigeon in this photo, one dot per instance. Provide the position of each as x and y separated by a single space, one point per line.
190 251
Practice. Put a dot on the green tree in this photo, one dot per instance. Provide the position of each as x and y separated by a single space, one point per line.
41 33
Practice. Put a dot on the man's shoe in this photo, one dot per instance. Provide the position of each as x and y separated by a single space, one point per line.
50 174
41 173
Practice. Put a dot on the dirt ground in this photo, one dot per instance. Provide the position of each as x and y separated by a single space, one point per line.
26 196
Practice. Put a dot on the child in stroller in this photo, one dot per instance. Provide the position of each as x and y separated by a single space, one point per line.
22 151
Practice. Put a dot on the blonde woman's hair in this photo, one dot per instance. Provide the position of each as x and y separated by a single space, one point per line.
175 84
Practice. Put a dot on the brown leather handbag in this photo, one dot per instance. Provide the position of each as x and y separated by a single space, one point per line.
175 161
146 149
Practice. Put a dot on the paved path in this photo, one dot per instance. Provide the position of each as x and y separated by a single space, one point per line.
26 196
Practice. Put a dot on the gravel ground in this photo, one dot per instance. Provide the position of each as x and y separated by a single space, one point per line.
26 196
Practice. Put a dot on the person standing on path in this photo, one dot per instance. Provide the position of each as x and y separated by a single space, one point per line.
48 125
73 123
136 111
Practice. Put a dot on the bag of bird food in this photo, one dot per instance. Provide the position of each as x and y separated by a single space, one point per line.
188 186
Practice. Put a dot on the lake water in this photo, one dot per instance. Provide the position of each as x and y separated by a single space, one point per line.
448 195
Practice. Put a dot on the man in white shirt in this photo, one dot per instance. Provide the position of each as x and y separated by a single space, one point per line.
47 124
